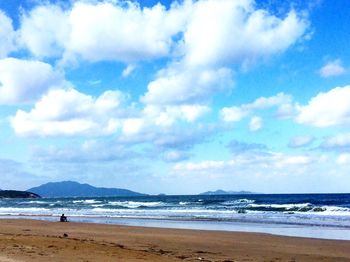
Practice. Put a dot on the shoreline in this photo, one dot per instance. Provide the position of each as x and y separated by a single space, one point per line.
35 240
277 229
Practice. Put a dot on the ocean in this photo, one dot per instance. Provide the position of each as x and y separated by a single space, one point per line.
305 215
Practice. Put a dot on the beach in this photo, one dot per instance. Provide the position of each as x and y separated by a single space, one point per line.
34 240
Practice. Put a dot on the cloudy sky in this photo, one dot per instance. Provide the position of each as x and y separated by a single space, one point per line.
176 97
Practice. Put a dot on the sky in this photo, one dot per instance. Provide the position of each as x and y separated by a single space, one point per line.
176 97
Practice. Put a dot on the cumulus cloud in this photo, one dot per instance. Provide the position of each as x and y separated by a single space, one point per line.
233 114
176 85
155 117
168 115
202 37
133 126
69 112
103 31
23 81
283 102
7 35
218 34
278 100
45 31
221 32
97 32
208 32
332 68
327 109
255 123
300 141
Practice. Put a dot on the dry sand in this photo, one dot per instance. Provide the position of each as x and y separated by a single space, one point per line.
31 240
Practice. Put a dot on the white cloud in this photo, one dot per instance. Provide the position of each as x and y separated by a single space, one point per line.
214 32
125 34
128 70
268 102
221 32
133 126
164 137
21 82
202 37
343 159
255 123
155 117
293 160
300 141
286 111
168 115
327 109
45 31
94 82
7 35
255 163
337 142
192 112
205 36
233 114
286 108
68 113
103 31
332 68
177 85
200 166
175 156
283 102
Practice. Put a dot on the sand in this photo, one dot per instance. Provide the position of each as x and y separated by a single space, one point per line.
31 240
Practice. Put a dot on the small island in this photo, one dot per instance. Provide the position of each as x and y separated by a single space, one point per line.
222 192
17 194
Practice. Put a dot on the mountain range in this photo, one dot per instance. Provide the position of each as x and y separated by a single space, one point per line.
75 189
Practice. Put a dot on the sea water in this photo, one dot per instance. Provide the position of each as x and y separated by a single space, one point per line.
304 215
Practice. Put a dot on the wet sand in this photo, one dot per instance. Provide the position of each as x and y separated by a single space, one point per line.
31 240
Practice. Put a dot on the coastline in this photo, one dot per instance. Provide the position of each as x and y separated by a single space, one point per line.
323 216
278 229
35 240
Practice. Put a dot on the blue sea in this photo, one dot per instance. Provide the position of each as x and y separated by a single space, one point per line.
305 215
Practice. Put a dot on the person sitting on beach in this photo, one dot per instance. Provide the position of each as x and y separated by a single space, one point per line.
63 218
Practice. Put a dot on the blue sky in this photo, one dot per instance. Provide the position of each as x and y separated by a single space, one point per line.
176 97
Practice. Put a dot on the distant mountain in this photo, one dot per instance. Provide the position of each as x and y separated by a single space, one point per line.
222 192
75 189
17 194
